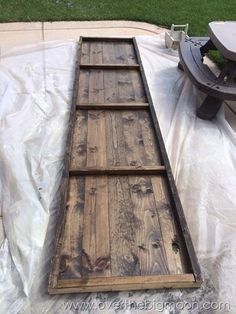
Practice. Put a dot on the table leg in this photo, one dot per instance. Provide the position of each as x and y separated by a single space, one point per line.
209 108
180 67
208 46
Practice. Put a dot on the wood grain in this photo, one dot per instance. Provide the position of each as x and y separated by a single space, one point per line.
123 47
122 224
96 246
114 106
169 232
123 228
71 249
118 170
114 66
124 283
79 142
128 139
152 255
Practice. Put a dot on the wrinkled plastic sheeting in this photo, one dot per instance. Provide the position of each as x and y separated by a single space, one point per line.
35 97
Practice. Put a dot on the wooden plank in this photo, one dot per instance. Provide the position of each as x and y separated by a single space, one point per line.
116 149
123 226
96 145
96 53
107 39
71 249
85 56
151 152
110 77
109 49
83 93
125 53
79 141
63 188
114 106
83 90
151 251
172 243
96 245
125 88
161 208
118 170
152 255
120 53
97 66
124 283
139 91
123 131
133 139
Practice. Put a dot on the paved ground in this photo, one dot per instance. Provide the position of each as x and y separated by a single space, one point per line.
16 34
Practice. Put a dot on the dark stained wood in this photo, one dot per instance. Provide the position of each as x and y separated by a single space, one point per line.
121 224
120 148
113 52
114 106
85 53
63 188
71 255
115 85
108 39
114 66
123 227
83 91
173 245
121 170
96 245
139 91
175 201
96 234
151 253
110 77
123 283
79 144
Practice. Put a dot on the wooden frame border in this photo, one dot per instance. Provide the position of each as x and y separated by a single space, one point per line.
122 283
114 106
63 189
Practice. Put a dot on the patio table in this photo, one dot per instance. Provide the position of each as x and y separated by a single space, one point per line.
217 88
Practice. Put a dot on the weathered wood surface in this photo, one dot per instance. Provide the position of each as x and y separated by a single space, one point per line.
124 283
111 52
123 138
121 228
114 106
118 170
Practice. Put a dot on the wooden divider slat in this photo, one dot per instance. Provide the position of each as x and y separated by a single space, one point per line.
114 106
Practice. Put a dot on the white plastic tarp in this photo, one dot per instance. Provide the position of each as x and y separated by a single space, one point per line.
35 96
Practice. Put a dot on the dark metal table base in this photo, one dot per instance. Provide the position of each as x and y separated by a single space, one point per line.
219 88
